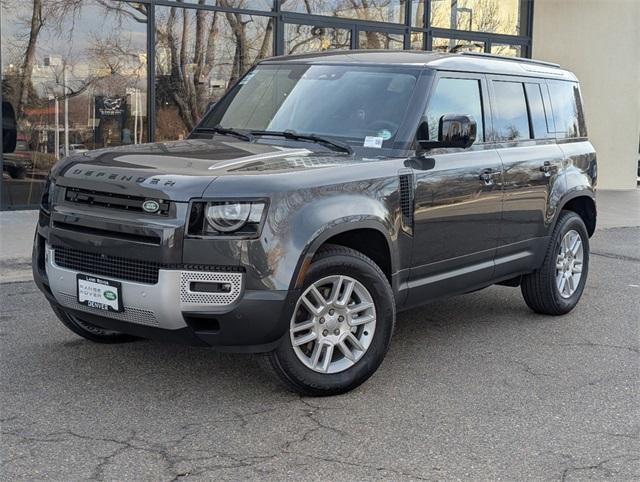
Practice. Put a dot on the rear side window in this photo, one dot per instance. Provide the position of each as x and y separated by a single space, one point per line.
537 113
567 108
455 96
511 120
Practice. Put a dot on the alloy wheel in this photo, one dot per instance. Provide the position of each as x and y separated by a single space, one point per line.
333 324
569 264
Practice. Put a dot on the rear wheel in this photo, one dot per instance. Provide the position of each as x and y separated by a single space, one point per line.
89 331
341 326
557 286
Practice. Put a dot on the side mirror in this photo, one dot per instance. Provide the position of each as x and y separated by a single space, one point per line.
9 128
454 130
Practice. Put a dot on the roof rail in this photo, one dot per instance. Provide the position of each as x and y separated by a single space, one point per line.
516 59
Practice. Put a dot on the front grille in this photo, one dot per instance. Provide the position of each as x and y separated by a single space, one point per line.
123 202
110 266
124 268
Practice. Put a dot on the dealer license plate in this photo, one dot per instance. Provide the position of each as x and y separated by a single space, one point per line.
99 293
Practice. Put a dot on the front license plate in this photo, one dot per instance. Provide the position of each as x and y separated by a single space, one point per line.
99 293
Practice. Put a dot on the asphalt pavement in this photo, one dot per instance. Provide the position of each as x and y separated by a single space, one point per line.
475 387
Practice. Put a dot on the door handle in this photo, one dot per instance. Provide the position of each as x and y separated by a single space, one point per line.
487 176
546 168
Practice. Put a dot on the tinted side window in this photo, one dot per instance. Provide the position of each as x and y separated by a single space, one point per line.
455 96
537 114
511 120
567 108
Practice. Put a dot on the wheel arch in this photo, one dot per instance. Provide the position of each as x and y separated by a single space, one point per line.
584 205
366 236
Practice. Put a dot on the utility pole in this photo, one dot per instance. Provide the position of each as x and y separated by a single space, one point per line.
57 128
135 116
56 124
54 61
66 109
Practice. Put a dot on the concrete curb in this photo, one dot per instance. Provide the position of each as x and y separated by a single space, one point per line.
15 269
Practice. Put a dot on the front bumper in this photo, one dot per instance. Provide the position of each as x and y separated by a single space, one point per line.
241 320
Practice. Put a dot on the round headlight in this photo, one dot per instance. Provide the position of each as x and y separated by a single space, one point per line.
228 216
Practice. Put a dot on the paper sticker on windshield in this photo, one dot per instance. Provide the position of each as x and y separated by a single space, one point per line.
371 141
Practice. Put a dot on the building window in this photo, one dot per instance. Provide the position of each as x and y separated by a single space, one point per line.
417 41
199 54
94 54
301 39
240 4
372 10
369 39
508 50
417 13
493 16
456 45
83 85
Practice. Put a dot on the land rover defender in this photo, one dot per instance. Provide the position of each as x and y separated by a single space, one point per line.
319 197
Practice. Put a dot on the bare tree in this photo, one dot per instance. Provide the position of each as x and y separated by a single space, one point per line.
194 45
24 86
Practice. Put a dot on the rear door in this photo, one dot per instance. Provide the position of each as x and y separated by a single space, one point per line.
532 161
458 198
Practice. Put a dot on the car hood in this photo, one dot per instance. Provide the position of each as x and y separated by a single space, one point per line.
182 170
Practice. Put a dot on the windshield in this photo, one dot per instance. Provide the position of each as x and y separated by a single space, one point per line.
364 106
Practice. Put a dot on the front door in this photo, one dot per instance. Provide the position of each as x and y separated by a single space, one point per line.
458 199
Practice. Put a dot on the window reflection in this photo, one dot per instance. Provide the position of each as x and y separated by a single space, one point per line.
537 111
496 16
377 10
456 45
506 50
417 13
511 120
567 108
455 96
417 41
368 39
199 54
309 38
83 73
248 4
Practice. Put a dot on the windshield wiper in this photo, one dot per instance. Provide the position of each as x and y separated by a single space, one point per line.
294 136
227 131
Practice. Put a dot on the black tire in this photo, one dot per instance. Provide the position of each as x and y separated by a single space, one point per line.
90 332
338 260
539 288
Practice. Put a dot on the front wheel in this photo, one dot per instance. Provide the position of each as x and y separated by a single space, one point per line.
557 286
341 326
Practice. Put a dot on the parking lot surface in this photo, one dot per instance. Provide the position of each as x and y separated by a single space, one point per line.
474 387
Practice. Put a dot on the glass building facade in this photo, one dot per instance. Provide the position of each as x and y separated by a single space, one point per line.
88 74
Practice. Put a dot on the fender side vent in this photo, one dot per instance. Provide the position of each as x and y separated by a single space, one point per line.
406 202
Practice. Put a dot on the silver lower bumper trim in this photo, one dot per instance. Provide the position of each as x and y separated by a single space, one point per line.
159 305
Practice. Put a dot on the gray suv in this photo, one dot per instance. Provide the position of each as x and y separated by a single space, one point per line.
322 195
